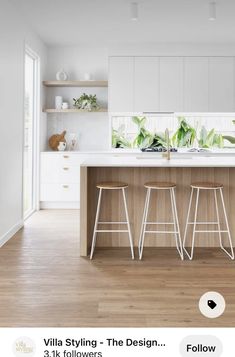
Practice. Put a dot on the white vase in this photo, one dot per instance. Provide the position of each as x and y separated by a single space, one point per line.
87 76
58 102
61 75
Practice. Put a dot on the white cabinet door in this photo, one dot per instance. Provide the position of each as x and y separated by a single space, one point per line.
121 82
196 73
221 84
146 84
171 84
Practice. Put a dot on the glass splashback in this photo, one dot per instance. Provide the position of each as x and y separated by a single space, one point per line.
206 131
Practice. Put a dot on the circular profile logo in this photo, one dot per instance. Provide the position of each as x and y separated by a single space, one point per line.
24 347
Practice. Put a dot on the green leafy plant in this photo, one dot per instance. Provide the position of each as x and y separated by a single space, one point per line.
185 134
210 139
144 138
118 138
86 102
159 139
231 139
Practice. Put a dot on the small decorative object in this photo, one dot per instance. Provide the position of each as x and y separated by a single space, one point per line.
55 141
87 76
72 142
65 105
58 102
61 75
86 102
61 146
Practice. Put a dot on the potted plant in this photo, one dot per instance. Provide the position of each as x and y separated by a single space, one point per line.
86 102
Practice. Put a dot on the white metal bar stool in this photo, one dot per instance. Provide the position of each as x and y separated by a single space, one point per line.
217 188
111 186
171 188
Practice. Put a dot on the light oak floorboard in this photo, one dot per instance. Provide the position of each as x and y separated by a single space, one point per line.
45 283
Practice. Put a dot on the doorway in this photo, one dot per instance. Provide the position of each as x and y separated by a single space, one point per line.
31 131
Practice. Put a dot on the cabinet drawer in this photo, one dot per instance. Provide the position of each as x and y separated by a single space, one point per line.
60 192
70 159
65 158
60 173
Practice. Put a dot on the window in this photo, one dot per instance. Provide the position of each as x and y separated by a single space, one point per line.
30 134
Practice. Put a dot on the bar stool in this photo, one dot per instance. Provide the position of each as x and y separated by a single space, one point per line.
160 186
216 187
111 186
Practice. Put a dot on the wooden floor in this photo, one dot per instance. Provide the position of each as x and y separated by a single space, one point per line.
44 282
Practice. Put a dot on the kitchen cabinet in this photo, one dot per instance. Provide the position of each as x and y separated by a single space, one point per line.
171 84
121 82
60 179
146 84
196 87
177 84
221 84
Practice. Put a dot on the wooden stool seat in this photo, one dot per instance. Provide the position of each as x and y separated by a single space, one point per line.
159 185
206 185
112 185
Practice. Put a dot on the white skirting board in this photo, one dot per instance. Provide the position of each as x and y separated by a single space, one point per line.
59 205
8 235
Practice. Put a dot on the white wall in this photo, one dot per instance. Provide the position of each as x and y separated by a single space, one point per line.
78 60
13 35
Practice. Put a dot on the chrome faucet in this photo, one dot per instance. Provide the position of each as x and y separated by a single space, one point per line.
167 154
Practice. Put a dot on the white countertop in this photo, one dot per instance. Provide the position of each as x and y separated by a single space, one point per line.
149 160
134 152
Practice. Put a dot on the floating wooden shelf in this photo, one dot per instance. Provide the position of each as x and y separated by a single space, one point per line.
74 110
75 83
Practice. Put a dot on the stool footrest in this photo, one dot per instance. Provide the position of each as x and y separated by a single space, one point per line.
214 231
160 223
163 232
112 223
192 223
110 231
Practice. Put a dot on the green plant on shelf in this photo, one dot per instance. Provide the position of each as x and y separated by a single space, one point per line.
86 102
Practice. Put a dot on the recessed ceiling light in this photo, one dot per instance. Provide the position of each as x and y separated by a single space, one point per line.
134 11
212 10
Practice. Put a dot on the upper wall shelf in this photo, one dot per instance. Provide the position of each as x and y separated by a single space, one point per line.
75 83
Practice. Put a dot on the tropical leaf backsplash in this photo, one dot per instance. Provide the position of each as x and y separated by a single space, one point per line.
185 136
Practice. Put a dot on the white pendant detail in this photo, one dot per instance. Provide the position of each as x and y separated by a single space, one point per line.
212 10
134 11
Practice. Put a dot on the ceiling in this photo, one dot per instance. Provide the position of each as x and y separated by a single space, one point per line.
71 22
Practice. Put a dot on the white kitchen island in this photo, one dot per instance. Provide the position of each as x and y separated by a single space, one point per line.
136 170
